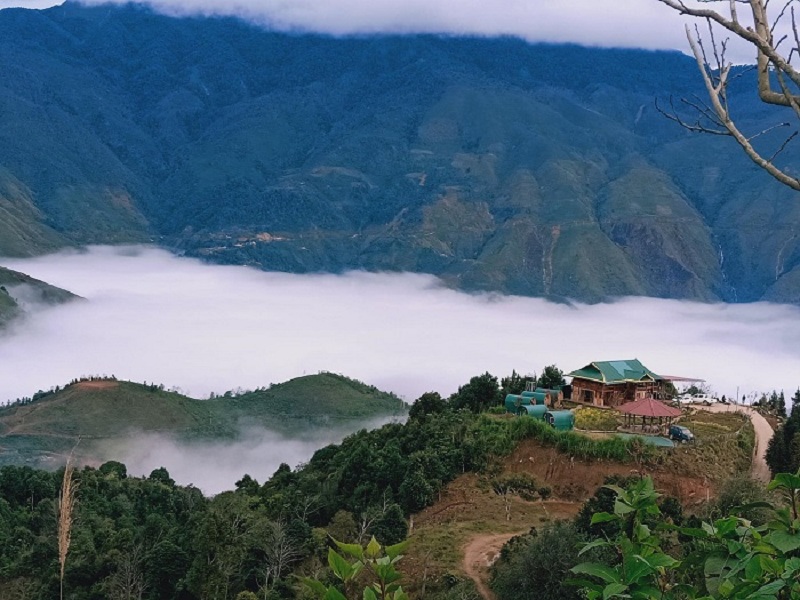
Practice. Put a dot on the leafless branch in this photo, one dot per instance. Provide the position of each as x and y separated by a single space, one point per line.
785 143
697 126
767 130
772 65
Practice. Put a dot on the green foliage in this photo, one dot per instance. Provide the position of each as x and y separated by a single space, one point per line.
162 136
55 420
515 383
727 558
551 378
480 393
580 446
640 570
783 451
741 496
390 527
430 403
537 566
352 562
596 419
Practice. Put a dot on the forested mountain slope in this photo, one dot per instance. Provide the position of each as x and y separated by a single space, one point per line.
492 163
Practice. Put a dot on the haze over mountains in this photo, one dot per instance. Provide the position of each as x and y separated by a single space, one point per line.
491 163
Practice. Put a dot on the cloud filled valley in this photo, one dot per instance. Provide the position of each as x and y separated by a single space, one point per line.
151 316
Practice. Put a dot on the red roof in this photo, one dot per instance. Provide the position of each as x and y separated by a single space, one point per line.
649 407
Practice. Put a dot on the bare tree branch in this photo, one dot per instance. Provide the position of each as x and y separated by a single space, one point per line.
724 118
772 65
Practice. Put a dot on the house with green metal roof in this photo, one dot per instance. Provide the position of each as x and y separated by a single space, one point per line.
614 382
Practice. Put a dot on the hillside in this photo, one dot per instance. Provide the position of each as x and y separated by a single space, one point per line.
18 289
45 430
492 163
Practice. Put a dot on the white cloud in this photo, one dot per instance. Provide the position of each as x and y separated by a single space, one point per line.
608 23
202 328
216 467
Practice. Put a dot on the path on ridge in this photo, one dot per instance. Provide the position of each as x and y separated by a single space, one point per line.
759 471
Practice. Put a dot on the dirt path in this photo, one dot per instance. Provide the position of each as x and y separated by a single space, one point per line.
479 554
760 470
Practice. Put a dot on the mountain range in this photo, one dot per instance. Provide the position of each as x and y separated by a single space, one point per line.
494 164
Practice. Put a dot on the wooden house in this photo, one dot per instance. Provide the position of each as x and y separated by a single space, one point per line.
616 382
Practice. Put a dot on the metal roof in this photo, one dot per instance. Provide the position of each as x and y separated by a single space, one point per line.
649 407
616 371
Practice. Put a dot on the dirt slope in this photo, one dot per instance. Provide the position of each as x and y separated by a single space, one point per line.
480 554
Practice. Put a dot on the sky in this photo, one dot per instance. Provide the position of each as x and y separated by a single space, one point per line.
626 23
197 328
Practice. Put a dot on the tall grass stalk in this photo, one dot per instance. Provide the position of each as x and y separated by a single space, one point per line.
66 506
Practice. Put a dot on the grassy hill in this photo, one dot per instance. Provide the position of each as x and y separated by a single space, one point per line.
327 396
17 289
45 430
492 163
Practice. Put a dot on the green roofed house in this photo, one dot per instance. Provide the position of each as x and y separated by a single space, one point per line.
615 382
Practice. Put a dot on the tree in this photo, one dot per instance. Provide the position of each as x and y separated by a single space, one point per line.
429 403
783 451
536 566
778 80
479 394
551 378
515 383
522 485
280 551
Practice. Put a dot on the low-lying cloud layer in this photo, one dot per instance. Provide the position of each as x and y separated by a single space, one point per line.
608 23
202 328
216 467
150 316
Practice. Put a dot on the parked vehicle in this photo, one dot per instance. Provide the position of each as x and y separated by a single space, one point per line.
703 399
680 433
697 399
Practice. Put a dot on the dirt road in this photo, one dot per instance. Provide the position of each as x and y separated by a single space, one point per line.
759 471
479 554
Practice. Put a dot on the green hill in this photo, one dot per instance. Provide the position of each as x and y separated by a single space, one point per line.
44 430
326 397
17 289
491 163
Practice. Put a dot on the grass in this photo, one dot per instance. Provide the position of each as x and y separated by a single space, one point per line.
327 395
723 446
42 430
468 509
578 445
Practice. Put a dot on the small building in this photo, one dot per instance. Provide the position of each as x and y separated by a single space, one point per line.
616 382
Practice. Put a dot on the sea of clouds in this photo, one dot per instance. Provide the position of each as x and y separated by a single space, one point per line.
149 315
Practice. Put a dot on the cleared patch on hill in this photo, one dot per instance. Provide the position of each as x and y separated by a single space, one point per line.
469 509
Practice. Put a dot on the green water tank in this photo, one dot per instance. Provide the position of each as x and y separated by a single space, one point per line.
561 420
